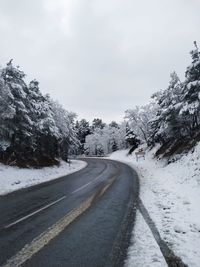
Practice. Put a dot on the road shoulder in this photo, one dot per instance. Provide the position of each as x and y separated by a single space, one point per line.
14 178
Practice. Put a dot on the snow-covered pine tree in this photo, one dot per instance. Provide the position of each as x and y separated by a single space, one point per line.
139 118
166 125
83 129
67 136
131 139
97 123
7 112
18 126
45 131
34 130
114 124
106 140
191 98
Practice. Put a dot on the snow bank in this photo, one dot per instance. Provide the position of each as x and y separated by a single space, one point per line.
14 178
171 193
144 251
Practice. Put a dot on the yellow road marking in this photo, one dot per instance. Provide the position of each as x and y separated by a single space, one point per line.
43 239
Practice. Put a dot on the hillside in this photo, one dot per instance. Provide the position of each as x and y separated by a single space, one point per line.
171 194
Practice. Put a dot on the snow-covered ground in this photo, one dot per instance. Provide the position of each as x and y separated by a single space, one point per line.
14 178
171 194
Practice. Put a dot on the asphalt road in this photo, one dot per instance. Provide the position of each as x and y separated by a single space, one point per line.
83 219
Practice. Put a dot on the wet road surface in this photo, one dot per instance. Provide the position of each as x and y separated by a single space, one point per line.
83 219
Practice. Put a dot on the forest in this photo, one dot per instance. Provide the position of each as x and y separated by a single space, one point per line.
37 131
170 120
34 129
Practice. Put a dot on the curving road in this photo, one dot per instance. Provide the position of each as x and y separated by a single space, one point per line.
83 219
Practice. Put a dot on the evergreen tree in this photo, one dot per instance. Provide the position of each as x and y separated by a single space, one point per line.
166 124
98 123
131 139
191 94
83 129
106 140
34 129
114 124
17 127
139 119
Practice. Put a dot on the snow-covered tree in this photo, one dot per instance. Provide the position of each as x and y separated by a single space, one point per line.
34 129
97 123
166 124
175 120
139 118
17 125
131 138
83 129
67 136
106 140
7 112
114 124
191 94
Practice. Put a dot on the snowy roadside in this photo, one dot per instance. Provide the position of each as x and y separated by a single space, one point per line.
171 194
14 178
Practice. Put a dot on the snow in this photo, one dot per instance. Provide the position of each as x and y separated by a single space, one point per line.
171 194
14 178
102 141
144 251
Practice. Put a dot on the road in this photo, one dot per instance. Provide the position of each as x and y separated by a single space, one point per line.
83 219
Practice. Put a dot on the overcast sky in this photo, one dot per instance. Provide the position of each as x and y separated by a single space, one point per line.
99 57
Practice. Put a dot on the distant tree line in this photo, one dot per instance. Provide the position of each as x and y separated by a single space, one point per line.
37 131
34 129
99 138
172 119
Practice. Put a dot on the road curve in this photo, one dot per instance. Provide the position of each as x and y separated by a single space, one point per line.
83 219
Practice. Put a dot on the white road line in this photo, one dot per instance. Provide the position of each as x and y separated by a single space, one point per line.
28 251
85 185
49 205
35 212
80 188
43 239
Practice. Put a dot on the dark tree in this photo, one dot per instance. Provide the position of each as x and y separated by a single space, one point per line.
97 123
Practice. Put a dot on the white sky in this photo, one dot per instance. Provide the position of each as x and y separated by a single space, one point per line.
99 57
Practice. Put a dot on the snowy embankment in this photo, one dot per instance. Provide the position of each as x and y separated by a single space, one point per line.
14 178
171 194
